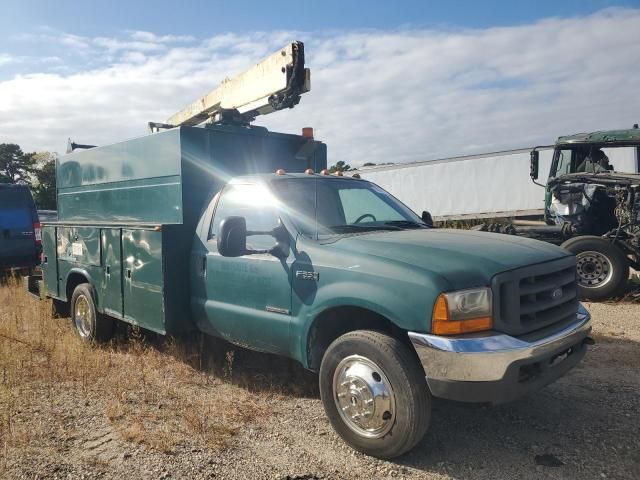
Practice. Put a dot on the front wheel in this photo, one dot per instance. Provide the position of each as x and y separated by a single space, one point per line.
602 268
375 394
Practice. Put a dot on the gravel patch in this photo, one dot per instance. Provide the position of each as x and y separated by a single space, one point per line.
585 426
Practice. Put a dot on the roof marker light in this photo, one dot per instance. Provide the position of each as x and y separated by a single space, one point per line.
324 172
307 132
339 174
309 171
280 171
356 175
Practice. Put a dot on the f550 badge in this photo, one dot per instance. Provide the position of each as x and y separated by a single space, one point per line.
305 275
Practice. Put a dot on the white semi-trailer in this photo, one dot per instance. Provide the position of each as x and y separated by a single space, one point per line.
491 185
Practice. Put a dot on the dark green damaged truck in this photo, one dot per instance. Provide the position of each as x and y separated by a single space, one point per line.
191 229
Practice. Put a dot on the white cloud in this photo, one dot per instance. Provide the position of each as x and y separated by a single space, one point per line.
152 37
113 44
376 95
6 59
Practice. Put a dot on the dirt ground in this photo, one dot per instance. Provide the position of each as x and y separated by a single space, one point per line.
148 408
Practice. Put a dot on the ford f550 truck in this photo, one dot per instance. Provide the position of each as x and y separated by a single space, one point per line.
190 229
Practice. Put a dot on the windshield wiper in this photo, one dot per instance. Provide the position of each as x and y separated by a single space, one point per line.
405 224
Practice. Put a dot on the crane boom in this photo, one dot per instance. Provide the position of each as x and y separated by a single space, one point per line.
273 84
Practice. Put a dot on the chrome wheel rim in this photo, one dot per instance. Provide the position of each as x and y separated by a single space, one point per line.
594 269
364 397
83 316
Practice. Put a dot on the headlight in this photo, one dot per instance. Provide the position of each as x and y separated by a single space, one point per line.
462 312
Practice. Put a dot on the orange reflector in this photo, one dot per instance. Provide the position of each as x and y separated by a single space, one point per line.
441 309
280 171
307 132
309 171
324 172
356 175
441 325
461 326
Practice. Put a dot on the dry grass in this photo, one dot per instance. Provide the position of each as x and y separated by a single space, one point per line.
159 393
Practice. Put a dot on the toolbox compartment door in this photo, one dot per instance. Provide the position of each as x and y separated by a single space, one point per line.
143 286
111 252
50 260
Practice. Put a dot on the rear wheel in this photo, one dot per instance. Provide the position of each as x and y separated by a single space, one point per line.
602 268
90 325
375 393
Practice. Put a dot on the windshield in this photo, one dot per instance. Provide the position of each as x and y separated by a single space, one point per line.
593 159
334 206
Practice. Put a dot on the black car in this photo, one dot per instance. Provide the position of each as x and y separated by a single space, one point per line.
20 235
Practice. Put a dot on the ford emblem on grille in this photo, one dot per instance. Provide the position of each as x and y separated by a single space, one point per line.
557 293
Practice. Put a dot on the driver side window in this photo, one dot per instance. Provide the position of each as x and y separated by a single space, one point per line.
564 162
253 202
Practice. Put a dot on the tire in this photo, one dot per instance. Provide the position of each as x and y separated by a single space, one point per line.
360 364
90 325
602 268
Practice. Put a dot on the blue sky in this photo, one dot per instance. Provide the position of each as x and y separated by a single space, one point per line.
203 18
393 81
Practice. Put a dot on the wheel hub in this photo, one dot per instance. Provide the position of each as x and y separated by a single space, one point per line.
82 316
364 397
594 269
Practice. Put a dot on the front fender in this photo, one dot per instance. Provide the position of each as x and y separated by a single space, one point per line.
407 311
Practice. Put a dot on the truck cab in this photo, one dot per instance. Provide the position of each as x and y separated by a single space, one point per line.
592 207
339 275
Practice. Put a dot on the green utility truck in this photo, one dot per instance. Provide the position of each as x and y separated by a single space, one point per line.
227 229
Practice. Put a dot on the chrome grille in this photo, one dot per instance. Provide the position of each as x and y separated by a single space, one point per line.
536 296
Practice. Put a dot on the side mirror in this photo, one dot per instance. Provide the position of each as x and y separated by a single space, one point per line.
535 162
281 235
426 218
232 238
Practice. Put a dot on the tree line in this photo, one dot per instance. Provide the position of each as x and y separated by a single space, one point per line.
341 166
36 169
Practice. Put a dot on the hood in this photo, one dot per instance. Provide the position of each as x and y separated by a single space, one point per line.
462 258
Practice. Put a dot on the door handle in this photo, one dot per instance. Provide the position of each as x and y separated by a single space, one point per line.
204 265
107 270
128 273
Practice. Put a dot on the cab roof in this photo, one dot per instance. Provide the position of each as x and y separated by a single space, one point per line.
264 177
627 137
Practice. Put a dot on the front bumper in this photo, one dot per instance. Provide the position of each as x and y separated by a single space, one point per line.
495 367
